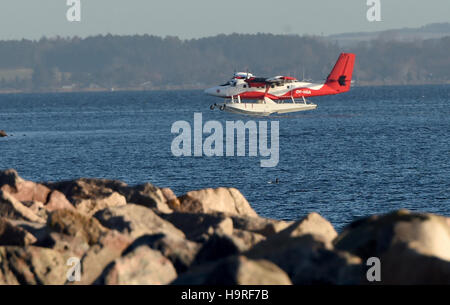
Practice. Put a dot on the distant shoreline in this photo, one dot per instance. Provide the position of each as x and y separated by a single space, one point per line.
181 87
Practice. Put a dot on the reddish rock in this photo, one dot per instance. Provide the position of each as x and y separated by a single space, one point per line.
225 200
100 255
142 266
20 189
11 208
57 201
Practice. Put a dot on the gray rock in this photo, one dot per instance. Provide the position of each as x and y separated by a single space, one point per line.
309 259
136 220
412 247
234 270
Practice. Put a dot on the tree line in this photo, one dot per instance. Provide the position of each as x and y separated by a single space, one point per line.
151 62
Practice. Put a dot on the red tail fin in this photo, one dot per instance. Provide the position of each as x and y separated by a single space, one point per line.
341 76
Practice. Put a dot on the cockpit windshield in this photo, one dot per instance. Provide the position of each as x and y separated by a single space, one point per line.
231 83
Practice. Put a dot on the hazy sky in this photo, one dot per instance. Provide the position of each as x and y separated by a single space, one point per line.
33 19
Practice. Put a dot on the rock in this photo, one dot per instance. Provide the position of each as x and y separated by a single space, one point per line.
136 220
20 189
181 252
39 230
149 196
11 208
248 239
57 201
37 208
263 226
225 200
3 134
308 259
171 199
142 266
313 224
403 241
100 255
96 194
219 246
74 224
92 205
73 246
426 233
235 270
91 195
199 227
403 265
31 265
11 235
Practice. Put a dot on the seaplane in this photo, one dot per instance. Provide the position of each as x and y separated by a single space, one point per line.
260 96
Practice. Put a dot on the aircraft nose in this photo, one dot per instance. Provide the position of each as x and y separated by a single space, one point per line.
215 91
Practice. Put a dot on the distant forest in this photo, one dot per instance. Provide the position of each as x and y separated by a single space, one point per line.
150 62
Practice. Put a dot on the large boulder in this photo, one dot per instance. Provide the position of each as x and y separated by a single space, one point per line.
135 220
313 224
234 270
12 208
308 259
199 227
20 189
412 247
180 251
141 266
428 234
31 265
225 200
57 201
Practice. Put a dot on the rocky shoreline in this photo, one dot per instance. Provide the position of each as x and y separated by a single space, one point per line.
144 234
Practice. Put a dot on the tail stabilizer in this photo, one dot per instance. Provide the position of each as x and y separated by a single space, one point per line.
340 77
